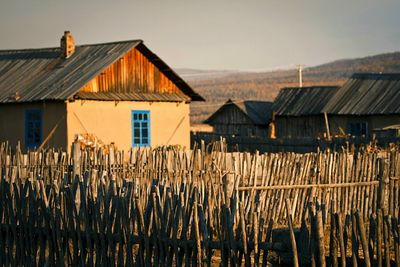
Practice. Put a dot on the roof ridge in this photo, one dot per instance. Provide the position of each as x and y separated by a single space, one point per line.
114 42
374 75
310 87
57 47
29 49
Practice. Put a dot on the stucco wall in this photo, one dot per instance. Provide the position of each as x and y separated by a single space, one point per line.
12 122
111 121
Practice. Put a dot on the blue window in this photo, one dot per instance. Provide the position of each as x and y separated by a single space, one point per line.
140 128
33 128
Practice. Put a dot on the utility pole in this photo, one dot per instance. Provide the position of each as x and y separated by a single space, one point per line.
300 70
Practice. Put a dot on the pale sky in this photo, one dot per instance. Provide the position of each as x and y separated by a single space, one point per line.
213 34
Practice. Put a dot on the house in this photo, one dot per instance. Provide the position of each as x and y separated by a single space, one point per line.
242 118
120 92
367 103
298 111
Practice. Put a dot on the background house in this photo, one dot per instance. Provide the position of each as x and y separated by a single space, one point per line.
298 111
121 92
242 118
366 103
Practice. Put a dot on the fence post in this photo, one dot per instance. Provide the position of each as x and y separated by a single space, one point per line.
292 236
320 239
363 238
339 228
383 185
228 187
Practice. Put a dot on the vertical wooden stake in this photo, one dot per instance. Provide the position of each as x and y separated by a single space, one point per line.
379 236
386 239
333 242
76 158
363 238
292 236
197 232
320 239
339 225
243 227
354 240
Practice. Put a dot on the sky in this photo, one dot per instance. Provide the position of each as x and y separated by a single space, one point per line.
251 35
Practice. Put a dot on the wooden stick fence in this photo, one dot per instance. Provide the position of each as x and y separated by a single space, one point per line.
201 207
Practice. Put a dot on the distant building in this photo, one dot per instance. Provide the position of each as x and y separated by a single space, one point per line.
366 104
298 111
242 118
121 92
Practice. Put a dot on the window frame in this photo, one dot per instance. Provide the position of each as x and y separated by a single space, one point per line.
140 119
30 144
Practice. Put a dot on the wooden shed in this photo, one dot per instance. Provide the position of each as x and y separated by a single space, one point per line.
367 102
120 92
298 111
242 118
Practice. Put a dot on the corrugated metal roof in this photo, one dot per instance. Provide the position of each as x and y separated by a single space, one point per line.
41 74
296 101
367 94
171 97
259 112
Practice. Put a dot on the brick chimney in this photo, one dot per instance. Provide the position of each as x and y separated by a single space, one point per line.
67 45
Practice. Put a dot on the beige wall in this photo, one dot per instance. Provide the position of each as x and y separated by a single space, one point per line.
111 121
12 122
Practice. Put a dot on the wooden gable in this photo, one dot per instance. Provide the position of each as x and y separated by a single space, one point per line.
132 73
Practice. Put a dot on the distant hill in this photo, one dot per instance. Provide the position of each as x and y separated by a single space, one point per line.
218 86
194 74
